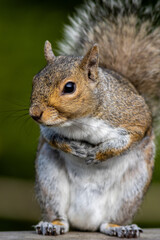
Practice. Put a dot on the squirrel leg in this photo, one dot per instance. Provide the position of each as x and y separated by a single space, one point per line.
52 190
129 231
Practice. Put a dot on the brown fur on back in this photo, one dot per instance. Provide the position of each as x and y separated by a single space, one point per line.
132 53
128 35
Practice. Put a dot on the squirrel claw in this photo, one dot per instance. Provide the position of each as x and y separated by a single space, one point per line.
91 159
78 149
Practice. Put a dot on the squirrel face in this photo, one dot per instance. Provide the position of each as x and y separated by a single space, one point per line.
63 90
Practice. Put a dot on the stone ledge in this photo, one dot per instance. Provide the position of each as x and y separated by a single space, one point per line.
149 234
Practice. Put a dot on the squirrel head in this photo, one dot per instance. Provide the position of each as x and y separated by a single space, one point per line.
65 88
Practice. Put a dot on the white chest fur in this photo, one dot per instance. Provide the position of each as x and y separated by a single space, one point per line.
91 130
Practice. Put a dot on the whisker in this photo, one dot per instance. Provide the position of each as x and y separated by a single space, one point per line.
6 102
25 121
14 110
13 115
21 125
20 116
6 114
10 117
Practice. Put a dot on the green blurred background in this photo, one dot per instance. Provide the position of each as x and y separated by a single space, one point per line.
24 27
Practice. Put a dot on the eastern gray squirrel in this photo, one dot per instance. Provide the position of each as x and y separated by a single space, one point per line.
95 104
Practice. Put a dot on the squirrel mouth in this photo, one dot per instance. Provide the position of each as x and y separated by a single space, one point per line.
46 117
49 124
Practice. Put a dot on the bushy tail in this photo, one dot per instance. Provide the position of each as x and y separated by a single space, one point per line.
128 34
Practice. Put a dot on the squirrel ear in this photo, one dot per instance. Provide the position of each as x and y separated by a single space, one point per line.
90 62
48 53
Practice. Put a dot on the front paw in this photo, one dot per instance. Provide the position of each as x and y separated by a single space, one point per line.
78 149
48 228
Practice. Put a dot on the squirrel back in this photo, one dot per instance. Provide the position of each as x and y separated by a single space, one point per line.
128 36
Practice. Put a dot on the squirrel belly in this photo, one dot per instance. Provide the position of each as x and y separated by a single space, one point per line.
88 196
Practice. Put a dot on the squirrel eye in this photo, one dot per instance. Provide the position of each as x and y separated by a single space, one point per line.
89 74
69 87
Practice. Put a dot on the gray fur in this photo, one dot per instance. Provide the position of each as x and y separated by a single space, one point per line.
86 197
93 13
50 177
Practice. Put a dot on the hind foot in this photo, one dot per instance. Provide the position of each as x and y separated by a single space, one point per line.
52 228
129 231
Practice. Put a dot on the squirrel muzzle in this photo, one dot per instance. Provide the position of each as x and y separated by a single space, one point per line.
48 116
36 113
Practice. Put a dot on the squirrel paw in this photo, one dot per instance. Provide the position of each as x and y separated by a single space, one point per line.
78 149
129 231
51 228
91 158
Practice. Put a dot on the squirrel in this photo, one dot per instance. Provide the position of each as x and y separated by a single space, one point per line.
97 105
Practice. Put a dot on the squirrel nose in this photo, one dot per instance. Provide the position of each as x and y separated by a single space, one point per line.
36 113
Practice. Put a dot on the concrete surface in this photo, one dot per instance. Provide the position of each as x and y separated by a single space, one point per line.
149 234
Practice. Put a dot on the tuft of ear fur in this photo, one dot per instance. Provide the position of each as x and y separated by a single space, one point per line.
48 53
90 61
